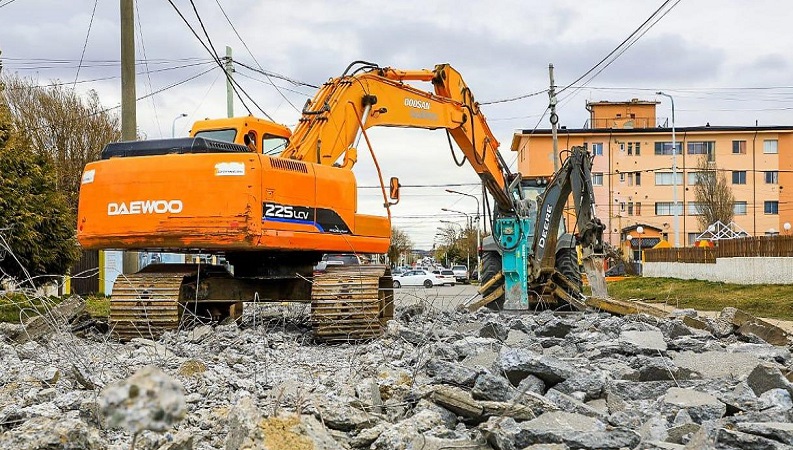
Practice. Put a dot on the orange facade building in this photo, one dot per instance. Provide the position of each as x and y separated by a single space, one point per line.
633 169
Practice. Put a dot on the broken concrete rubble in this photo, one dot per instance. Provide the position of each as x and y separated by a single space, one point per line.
438 379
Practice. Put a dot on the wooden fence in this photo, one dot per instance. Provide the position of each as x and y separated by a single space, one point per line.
85 273
753 246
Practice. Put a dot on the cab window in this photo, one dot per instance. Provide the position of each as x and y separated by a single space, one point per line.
218 135
273 145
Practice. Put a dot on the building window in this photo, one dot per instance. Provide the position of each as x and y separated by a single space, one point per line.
630 208
622 177
692 238
638 178
695 178
738 177
638 208
694 209
597 148
739 209
771 177
667 209
739 147
771 207
630 148
638 148
770 146
702 148
622 207
597 178
622 146
665 148
666 179
630 178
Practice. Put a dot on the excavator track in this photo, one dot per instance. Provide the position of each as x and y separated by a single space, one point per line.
146 304
352 303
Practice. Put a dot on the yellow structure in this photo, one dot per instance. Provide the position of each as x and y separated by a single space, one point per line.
633 176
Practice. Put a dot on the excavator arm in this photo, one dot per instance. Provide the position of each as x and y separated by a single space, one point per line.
574 177
333 121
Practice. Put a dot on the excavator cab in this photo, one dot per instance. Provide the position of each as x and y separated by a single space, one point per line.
259 135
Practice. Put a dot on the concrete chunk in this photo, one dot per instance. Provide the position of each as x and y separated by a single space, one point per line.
644 341
717 364
700 406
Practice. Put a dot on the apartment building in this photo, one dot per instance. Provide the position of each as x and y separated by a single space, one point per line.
635 183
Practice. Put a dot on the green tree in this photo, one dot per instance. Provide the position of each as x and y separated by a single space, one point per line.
400 244
37 236
713 195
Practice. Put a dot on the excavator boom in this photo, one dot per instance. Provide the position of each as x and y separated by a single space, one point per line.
344 107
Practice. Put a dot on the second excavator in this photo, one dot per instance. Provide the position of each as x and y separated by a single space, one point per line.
272 201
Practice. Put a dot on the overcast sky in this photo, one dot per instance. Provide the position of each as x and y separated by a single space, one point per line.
727 62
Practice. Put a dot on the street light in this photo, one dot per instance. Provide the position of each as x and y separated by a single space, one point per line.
674 170
468 216
173 124
640 230
478 236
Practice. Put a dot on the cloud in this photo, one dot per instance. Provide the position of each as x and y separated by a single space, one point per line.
502 50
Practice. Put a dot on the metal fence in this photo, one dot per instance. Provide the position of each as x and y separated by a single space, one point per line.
753 246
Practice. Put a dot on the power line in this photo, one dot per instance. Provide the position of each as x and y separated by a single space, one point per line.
106 110
254 57
626 47
424 185
294 91
85 44
165 69
7 3
148 73
269 74
513 99
234 84
618 47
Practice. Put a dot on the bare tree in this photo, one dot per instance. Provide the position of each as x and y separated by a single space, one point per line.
400 243
61 125
713 195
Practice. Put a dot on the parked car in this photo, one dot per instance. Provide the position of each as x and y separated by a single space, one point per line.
446 275
460 274
418 278
337 259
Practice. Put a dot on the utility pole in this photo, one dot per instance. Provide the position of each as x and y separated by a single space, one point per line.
554 118
229 68
129 125
674 171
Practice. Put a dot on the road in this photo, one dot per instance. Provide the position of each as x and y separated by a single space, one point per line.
445 298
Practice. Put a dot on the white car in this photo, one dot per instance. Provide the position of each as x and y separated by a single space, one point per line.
418 278
446 275
460 274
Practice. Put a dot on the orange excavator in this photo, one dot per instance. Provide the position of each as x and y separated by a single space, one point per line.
272 201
